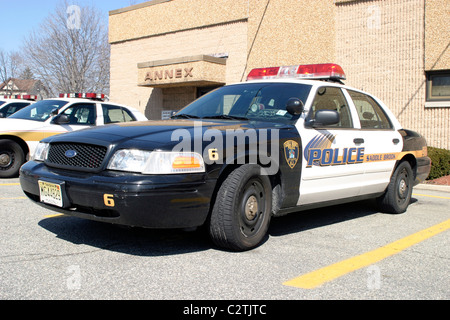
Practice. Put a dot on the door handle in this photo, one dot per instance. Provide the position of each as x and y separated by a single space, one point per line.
358 140
395 141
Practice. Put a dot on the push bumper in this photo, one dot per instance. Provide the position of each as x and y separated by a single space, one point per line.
169 201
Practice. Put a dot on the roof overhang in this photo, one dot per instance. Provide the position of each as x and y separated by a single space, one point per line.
199 70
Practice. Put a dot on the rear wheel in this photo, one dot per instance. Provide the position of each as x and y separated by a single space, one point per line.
242 211
397 197
11 159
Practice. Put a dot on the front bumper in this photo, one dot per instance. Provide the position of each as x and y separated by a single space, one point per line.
166 201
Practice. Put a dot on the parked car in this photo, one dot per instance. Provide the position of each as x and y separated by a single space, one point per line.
12 104
289 139
21 132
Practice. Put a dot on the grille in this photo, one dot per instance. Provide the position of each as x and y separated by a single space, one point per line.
87 156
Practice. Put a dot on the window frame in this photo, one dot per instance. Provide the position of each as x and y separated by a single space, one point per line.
310 116
429 85
82 104
375 102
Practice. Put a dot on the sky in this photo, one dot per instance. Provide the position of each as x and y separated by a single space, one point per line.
19 17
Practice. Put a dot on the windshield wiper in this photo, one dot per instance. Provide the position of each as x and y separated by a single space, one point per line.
184 116
226 117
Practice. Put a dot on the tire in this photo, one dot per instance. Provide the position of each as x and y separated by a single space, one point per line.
397 196
12 158
241 213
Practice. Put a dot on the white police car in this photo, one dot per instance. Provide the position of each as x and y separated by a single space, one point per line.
21 132
10 104
289 139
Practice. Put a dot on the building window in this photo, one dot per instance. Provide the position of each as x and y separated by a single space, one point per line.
438 86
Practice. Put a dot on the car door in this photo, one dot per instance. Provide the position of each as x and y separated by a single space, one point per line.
332 165
116 113
380 140
80 115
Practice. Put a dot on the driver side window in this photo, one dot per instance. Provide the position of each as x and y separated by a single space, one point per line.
331 98
81 114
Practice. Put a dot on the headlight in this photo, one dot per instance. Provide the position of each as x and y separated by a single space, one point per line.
41 152
156 162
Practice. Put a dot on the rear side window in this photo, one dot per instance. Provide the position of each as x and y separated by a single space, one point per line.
114 114
371 115
13 107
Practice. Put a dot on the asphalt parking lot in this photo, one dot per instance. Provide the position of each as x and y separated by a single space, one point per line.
342 252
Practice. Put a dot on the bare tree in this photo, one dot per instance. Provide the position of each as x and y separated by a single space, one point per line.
10 65
70 52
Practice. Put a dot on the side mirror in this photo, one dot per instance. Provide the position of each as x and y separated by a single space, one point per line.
2 115
294 106
61 119
324 118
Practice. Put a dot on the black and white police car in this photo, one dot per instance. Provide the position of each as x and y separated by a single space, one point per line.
21 132
10 104
231 160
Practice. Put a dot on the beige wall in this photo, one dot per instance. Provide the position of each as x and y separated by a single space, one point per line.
437 34
290 32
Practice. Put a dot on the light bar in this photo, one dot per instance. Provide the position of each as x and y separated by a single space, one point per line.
90 95
22 97
304 71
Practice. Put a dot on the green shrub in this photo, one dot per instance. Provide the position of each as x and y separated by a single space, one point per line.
440 162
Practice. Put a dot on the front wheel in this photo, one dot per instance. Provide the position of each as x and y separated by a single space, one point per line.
397 197
241 213
12 158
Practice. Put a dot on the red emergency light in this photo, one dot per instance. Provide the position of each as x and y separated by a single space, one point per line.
324 71
89 95
21 97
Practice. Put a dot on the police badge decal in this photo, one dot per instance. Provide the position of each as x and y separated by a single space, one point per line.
291 153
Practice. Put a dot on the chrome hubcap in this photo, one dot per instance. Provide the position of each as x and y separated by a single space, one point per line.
5 160
251 208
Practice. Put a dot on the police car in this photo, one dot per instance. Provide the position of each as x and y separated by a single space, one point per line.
13 103
289 139
21 132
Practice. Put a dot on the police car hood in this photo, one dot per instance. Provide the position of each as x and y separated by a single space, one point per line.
158 134
15 125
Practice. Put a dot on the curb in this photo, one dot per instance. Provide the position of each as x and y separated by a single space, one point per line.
432 187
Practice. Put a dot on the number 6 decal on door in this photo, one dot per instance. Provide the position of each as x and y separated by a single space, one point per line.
109 200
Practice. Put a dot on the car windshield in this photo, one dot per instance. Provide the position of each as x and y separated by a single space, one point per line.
251 101
39 111
2 102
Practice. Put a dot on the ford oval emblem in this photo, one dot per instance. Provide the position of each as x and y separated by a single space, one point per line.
70 153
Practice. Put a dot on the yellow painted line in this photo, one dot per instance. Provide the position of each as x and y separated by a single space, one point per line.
316 278
430 196
60 215
16 198
9 184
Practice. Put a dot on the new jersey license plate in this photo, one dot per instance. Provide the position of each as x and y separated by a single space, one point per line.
51 193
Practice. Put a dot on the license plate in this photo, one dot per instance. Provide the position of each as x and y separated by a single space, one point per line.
51 193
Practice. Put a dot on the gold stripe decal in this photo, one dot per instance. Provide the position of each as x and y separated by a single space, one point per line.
32 135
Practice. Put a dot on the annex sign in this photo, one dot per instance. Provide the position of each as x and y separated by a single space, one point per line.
195 71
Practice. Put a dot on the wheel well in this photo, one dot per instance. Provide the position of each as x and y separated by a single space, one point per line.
275 181
19 141
412 161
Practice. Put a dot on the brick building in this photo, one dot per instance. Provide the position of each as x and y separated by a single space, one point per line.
166 53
